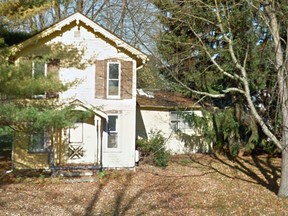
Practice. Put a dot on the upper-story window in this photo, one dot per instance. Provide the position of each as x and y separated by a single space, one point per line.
113 81
39 69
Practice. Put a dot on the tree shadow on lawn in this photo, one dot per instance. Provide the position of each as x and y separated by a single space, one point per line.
94 200
259 169
126 199
121 202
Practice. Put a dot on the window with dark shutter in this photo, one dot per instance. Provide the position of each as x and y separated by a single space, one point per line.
113 80
53 67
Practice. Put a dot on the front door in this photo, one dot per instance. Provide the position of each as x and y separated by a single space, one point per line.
82 142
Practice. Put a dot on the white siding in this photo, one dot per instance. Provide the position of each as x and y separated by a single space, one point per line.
85 91
124 155
94 47
155 120
86 87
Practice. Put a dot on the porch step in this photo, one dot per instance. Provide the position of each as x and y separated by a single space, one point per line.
73 173
76 173
76 176
76 167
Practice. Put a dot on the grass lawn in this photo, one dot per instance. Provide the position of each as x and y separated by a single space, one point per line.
191 185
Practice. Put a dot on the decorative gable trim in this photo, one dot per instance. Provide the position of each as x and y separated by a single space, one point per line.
77 17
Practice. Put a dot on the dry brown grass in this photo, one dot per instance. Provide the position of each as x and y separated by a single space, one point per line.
190 185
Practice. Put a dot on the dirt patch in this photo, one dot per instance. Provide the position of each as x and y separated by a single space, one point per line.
190 185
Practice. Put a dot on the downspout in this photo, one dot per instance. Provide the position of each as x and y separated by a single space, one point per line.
97 138
99 142
101 149
136 151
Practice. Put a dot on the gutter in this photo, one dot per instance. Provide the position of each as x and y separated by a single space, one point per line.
140 67
168 108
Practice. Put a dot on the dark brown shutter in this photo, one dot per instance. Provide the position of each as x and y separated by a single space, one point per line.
100 79
53 67
126 79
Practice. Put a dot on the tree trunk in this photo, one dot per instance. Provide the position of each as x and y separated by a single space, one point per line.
282 68
283 190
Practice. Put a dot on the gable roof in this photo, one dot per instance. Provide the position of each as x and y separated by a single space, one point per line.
82 106
76 19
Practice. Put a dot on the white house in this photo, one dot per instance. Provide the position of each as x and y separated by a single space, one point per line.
107 87
162 111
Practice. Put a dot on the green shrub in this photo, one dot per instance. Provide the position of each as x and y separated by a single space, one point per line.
102 174
154 148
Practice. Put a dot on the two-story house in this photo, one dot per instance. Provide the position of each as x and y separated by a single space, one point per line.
107 87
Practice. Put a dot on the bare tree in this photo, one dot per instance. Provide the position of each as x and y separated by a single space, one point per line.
132 20
220 40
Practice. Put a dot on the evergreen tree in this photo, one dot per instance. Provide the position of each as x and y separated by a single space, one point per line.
20 108
193 72
235 53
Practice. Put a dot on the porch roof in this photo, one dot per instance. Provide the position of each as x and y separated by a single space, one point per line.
82 106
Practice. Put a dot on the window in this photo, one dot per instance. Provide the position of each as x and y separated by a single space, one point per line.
38 142
113 81
177 121
39 70
112 132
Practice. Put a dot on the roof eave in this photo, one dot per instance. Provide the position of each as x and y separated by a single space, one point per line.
168 108
120 44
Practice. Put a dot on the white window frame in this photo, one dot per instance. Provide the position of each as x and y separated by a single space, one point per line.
45 69
178 123
45 141
45 75
119 80
114 132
